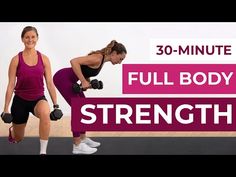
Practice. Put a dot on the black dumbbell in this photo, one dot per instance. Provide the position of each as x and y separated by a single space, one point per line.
100 85
77 88
56 113
6 117
95 84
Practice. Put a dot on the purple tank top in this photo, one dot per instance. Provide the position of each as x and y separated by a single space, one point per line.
30 85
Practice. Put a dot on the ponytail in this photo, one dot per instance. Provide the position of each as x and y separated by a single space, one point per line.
112 46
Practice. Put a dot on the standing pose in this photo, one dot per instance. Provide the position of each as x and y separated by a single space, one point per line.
26 73
82 69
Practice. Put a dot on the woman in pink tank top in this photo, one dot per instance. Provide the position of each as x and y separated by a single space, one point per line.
27 71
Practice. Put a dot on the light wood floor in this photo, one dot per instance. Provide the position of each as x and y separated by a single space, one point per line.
61 128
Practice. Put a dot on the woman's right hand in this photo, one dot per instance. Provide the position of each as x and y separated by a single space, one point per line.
85 85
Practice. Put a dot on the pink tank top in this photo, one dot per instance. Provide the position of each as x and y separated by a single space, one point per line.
30 85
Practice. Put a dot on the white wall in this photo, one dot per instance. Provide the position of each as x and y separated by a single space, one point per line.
64 41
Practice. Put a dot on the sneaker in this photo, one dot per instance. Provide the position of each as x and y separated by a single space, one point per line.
10 138
90 142
83 148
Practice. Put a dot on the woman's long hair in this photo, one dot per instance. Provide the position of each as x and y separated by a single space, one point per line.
112 46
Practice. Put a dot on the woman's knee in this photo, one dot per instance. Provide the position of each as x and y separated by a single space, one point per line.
42 109
18 138
44 116
18 132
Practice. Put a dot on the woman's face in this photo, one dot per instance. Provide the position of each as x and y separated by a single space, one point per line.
30 39
117 58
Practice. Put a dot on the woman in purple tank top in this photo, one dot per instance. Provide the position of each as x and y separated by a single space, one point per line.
82 69
27 71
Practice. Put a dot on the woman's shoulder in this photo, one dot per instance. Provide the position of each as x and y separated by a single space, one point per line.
16 57
44 57
42 54
15 60
96 56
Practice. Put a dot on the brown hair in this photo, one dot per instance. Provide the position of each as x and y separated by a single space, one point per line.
112 46
29 28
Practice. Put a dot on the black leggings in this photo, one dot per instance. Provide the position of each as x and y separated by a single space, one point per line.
21 108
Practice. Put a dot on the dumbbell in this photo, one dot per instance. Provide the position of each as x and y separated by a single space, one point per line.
100 85
6 117
95 84
56 113
77 88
